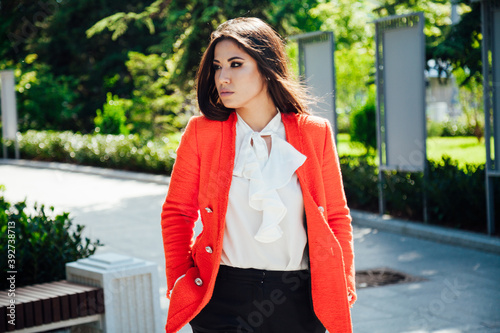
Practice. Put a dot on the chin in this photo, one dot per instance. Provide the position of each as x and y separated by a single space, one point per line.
230 105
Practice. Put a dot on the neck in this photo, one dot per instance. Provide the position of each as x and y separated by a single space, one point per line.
259 115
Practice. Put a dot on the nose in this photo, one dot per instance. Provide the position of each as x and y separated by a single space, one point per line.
224 77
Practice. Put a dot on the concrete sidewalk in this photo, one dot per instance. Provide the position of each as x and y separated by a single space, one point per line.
460 293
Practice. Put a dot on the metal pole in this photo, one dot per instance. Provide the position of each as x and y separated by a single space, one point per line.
17 154
485 30
379 68
421 23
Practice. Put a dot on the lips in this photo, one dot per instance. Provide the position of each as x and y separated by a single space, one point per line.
225 93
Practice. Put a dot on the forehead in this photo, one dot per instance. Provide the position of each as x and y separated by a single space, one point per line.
227 48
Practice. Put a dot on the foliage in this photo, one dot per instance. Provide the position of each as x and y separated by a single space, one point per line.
347 147
455 194
354 51
453 45
156 106
437 13
348 20
471 100
403 194
364 125
43 242
360 181
459 45
55 32
343 123
112 120
434 128
455 127
353 71
465 150
45 101
455 191
77 66
111 151
187 25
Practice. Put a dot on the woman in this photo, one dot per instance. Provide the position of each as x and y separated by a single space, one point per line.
275 253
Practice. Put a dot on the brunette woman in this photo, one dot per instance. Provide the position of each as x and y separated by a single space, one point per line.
276 252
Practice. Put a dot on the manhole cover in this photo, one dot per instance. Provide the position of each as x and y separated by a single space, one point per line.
377 277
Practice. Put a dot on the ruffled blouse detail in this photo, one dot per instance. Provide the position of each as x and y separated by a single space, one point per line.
266 172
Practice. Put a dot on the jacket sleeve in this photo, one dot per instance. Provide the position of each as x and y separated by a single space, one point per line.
339 218
180 210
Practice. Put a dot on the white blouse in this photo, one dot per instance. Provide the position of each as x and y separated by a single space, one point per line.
265 216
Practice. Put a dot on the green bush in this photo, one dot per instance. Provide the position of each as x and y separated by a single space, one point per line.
364 124
434 128
343 123
43 243
112 119
44 100
455 128
360 182
455 196
460 127
109 151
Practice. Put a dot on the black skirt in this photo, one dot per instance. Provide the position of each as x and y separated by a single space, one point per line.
259 301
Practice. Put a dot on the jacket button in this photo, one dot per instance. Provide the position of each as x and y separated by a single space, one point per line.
198 281
208 209
208 249
321 209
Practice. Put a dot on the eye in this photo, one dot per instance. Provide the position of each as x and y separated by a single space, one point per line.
215 67
236 64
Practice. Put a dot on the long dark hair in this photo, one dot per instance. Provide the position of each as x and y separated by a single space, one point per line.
264 45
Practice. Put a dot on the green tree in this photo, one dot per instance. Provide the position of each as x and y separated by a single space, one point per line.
156 106
459 46
45 101
363 124
354 49
453 46
54 30
187 26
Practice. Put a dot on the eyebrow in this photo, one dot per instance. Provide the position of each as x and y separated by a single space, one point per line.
230 59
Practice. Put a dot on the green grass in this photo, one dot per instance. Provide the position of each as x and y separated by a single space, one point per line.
466 150
346 147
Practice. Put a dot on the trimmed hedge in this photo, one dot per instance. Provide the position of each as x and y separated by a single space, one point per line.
455 195
38 244
109 151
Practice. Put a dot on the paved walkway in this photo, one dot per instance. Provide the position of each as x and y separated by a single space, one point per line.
460 293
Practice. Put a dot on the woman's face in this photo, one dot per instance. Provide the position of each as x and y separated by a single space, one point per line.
237 77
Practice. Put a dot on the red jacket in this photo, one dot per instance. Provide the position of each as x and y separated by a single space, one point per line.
200 181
